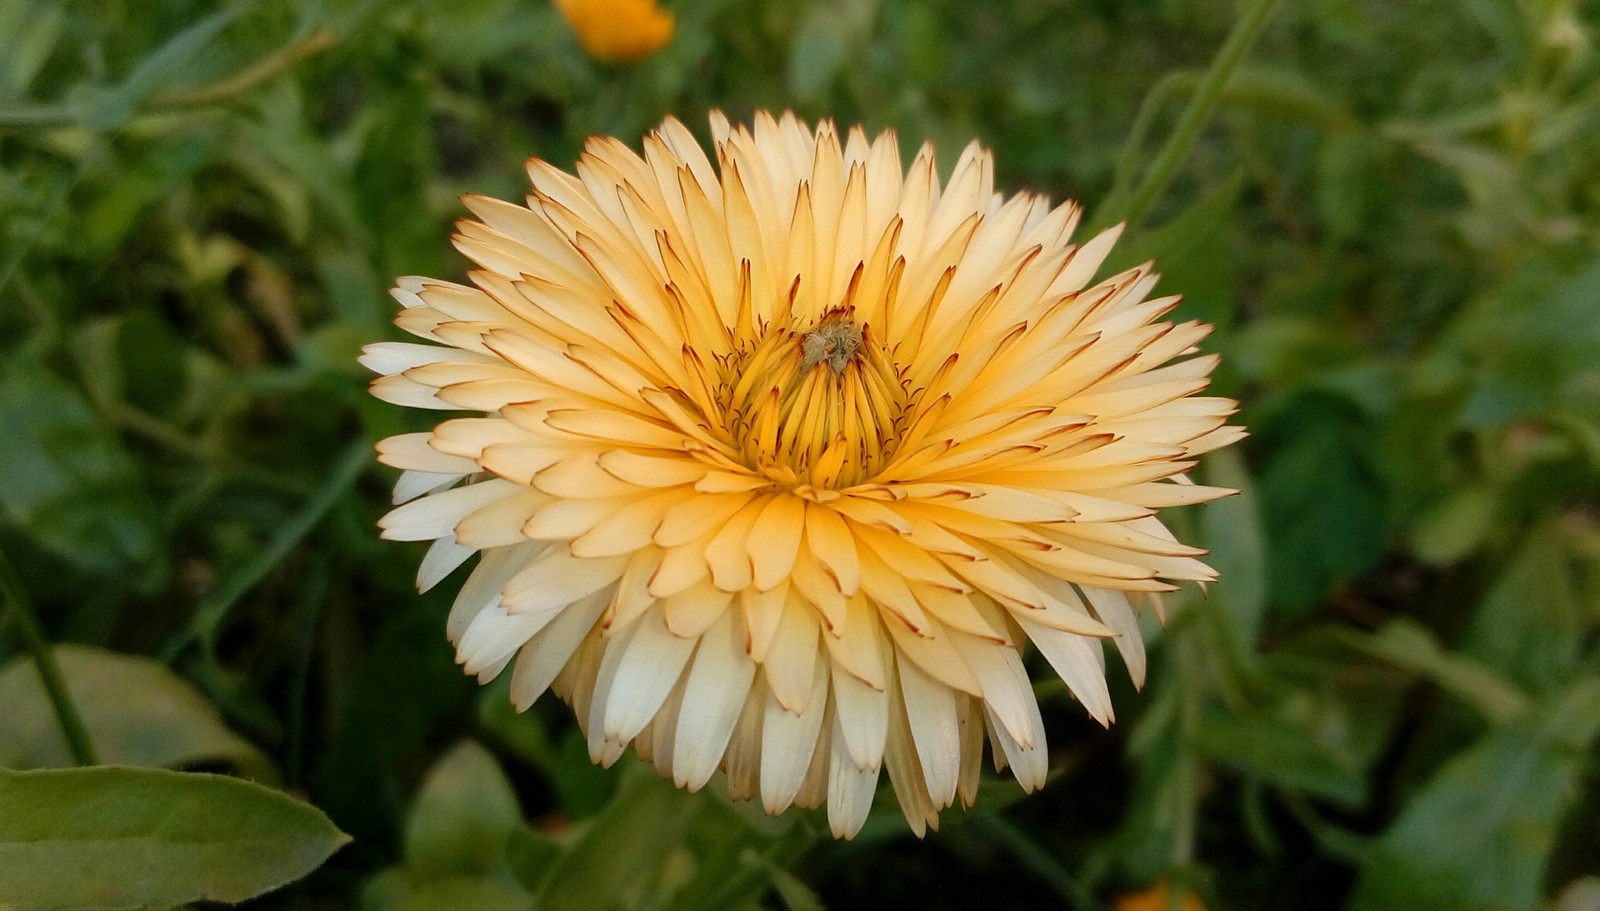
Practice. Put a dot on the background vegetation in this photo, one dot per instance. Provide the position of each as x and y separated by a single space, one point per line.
1392 215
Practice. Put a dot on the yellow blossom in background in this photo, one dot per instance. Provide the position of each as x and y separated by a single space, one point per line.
781 458
1157 898
618 31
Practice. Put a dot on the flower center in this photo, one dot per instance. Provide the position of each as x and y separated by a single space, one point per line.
820 405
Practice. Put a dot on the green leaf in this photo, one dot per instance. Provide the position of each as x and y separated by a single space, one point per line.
1322 502
1477 836
137 713
32 30
400 890
1531 624
66 478
1456 526
1409 645
1231 528
531 855
463 817
112 838
622 851
817 55
1273 750
159 70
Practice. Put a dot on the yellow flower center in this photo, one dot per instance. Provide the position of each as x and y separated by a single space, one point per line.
820 405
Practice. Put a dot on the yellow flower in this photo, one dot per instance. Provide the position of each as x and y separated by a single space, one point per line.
1157 898
618 31
783 460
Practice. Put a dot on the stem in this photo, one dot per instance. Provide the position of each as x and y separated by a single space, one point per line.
44 658
1038 861
1122 176
208 617
263 71
1186 789
257 74
1194 116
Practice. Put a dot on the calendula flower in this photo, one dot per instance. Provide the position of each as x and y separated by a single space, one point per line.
618 31
783 459
1157 898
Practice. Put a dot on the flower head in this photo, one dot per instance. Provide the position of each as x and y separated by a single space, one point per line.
618 31
782 461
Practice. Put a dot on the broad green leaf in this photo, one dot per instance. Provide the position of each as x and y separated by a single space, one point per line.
621 852
463 816
1322 504
1456 526
32 30
1530 626
1476 837
137 713
108 838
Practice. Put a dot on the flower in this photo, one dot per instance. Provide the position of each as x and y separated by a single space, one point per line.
783 461
1157 898
618 31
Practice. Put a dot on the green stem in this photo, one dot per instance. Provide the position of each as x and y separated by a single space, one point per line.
257 74
210 614
1194 116
1038 861
1186 788
1122 177
261 72
44 658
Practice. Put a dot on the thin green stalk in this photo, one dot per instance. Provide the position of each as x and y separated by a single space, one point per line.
261 72
1186 821
44 658
266 69
1123 175
1038 861
1194 116
211 612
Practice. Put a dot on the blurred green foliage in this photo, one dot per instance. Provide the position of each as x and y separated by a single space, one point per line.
1391 700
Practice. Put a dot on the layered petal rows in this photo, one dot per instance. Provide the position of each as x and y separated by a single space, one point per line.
780 458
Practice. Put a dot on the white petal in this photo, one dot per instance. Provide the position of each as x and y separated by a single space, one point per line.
1007 691
1117 613
850 789
1028 764
715 689
743 759
495 635
442 558
557 578
863 718
411 451
1077 662
791 661
787 743
931 711
651 665
547 653
413 484
482 588
435 516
